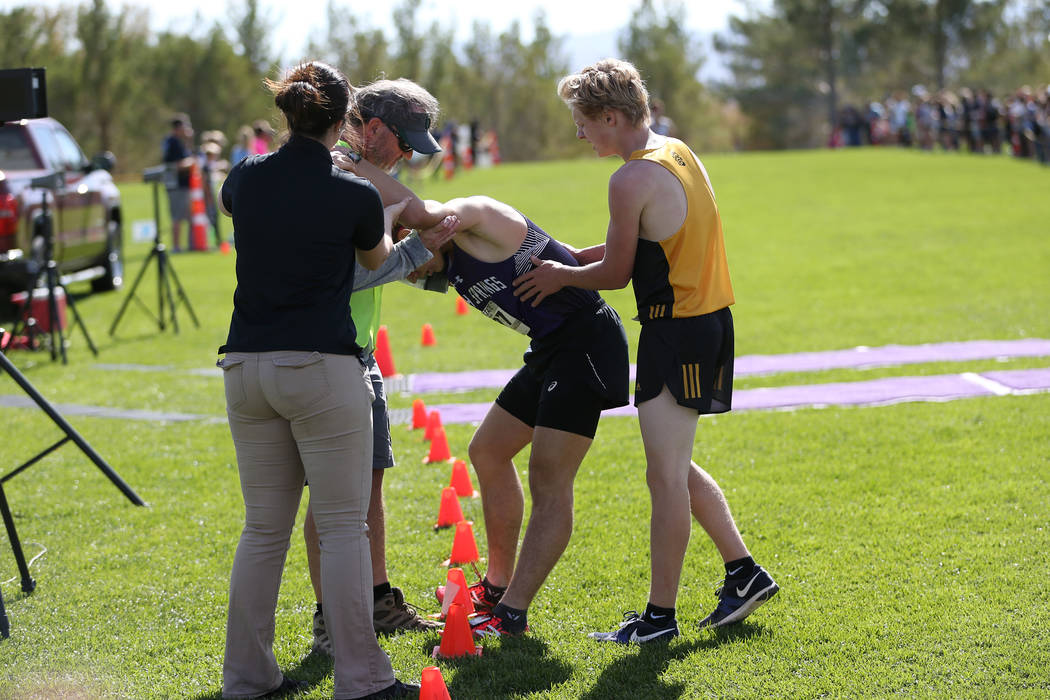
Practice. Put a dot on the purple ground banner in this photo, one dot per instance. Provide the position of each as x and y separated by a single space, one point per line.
875 392
756 365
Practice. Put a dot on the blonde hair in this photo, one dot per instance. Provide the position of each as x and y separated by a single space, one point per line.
607 84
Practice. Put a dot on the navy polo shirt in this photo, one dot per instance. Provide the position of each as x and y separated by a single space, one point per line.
174 151
297 220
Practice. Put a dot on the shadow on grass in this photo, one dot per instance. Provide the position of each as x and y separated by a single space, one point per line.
312 668
638 675
510 668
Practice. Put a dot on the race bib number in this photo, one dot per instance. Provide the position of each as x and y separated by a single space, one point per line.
493 311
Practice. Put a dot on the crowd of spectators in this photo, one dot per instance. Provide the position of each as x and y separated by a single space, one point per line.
976 121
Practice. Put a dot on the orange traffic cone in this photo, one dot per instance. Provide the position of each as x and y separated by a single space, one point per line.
461 306
468 157
439 451
449 513
384 358
419 414
433 425
464 548
448 160
456 638
198 217
428 336
432 685
494 148
456 591
461 480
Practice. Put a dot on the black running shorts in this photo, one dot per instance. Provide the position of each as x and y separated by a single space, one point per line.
693 357
572 374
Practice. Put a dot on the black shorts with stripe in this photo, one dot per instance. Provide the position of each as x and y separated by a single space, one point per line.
572 374
692 356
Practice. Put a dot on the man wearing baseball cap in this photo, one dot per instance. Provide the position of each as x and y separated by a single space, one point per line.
402 109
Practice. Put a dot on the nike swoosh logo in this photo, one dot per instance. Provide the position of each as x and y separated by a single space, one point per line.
657 617
741 592
734 571
640 638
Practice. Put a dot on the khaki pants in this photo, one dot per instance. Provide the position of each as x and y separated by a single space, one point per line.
294 414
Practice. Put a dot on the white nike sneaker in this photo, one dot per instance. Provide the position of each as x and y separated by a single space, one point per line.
635 630
740 596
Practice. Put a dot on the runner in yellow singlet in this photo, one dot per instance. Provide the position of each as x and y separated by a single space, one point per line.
665 234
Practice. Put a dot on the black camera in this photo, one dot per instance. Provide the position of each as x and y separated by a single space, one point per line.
165 174
23 94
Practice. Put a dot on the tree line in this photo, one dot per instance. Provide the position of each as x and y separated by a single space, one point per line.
795 65
791 66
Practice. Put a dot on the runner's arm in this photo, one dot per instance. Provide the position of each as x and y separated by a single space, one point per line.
418 213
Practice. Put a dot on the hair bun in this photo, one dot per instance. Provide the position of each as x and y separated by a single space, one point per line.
313 97
298 96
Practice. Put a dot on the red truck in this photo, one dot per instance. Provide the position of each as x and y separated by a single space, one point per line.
83 200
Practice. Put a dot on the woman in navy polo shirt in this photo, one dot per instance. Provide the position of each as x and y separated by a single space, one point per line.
297 397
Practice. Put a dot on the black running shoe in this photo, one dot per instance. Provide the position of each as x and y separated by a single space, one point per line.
287 687
635 630
397 690
740 596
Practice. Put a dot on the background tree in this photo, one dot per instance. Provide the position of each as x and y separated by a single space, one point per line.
362 53
39 37
669 59
526 111
110 44
776 78
253 27
408 59
1019 52
943 36
792 64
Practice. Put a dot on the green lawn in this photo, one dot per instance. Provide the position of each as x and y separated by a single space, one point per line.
909 541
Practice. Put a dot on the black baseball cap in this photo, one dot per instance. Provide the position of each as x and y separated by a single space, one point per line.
414 130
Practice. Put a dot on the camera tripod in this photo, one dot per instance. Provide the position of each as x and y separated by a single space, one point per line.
28 584
164 269
47 277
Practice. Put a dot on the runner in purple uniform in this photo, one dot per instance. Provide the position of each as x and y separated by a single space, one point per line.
575 367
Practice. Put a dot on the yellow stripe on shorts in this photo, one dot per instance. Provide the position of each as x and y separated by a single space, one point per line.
691 380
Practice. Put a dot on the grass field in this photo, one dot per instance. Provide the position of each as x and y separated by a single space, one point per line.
910 541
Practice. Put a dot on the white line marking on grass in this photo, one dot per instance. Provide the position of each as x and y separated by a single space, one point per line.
109 412
987 384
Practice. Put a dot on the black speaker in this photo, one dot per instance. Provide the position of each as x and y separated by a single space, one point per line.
23 94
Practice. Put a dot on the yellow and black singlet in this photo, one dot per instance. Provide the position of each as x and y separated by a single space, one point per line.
686 274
